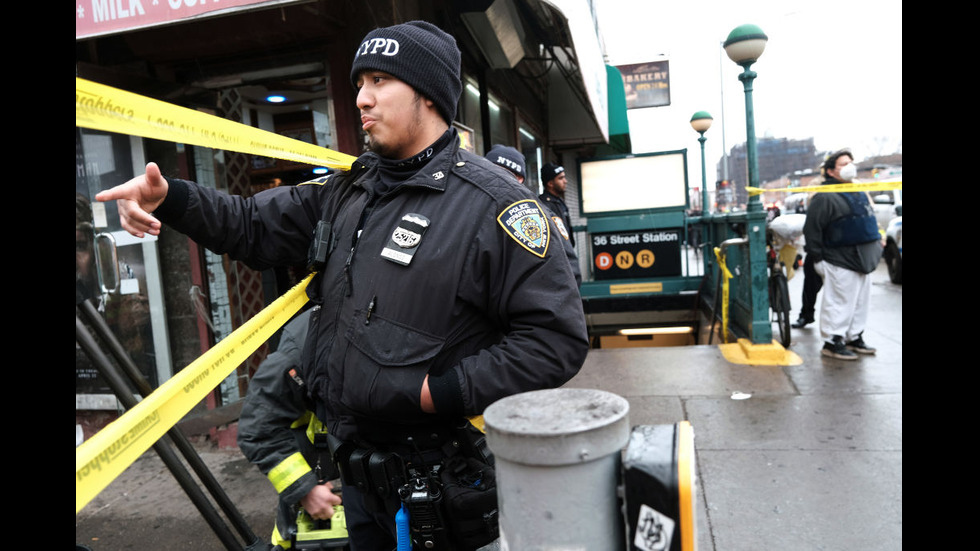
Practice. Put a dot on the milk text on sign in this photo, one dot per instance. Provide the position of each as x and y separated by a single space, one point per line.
108 10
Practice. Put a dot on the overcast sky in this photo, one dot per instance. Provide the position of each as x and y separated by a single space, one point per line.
832 70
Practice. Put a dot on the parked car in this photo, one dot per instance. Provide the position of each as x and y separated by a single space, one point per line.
893 248
887 205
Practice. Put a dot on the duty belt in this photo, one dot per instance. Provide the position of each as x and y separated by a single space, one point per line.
377 471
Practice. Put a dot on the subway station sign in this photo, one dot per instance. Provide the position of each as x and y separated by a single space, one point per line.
637 254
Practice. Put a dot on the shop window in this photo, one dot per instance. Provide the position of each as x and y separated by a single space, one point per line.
530 146
501 121
117 273
469 114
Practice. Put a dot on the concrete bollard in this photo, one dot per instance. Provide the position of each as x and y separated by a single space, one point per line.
558 460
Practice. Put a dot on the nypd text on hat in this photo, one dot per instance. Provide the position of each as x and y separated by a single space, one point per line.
501 160
383 46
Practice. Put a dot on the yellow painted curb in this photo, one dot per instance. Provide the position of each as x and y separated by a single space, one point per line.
744 352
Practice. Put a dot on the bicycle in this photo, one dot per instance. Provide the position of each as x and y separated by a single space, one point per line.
779 302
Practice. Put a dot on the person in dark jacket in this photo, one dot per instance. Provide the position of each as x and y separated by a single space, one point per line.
811 279
279 434
841 234
553 198
510 159
439 289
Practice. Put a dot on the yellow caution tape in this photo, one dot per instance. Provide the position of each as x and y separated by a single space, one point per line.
726 275
100 459
833 188
107 454
101 107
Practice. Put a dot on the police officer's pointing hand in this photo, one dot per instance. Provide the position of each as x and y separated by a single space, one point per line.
137 198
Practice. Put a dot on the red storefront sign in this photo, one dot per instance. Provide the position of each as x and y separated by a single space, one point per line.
101 17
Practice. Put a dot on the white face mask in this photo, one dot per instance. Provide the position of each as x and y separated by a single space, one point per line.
848 173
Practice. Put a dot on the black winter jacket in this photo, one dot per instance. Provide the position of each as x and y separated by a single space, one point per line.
486 304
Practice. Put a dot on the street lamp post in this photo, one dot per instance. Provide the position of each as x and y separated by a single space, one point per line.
744 46
701 122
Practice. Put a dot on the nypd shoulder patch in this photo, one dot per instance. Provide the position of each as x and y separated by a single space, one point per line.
560 225
526 224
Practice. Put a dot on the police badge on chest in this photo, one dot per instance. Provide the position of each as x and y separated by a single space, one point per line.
404 241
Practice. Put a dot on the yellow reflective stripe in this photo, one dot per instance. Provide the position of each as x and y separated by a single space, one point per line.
303 420
314 426
277 539
289 471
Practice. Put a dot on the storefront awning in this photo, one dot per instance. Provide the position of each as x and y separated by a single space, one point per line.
577 81
619 124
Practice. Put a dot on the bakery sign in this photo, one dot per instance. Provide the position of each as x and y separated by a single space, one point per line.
637 254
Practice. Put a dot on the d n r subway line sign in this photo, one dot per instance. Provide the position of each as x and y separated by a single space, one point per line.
639 254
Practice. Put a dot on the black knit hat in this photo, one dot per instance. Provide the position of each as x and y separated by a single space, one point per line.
549 171
507 157
418 53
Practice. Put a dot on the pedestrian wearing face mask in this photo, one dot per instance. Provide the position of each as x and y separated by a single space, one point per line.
842 236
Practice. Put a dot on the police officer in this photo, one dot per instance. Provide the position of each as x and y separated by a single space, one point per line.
553 198
510 159
438 286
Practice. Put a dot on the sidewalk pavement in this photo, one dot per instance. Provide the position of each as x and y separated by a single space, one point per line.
793 457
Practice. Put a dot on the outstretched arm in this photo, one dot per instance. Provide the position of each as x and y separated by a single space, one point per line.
136 199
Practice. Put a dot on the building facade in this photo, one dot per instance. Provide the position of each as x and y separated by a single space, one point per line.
777 158
534 78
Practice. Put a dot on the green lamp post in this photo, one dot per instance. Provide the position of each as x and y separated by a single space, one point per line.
744 46
701 122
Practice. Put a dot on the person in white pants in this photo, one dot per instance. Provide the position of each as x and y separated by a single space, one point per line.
841 234
844 313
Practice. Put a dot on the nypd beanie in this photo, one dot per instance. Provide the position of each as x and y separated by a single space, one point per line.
420 54
507 157
549 171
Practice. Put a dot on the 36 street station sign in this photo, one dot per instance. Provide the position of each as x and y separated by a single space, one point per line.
635 255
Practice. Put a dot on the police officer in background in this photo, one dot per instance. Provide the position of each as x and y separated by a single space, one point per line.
438 287
553 197
510 159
